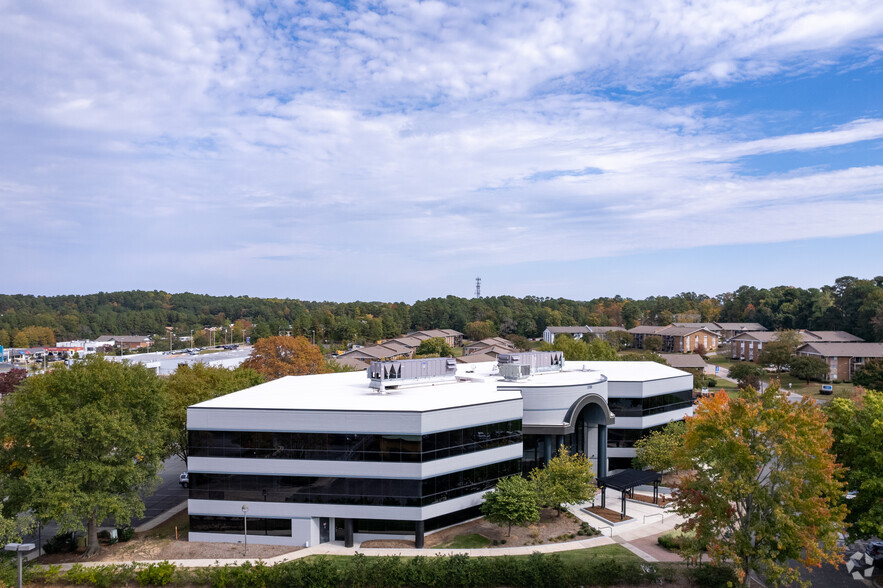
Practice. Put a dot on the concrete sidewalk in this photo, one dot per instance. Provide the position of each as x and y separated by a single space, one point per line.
637 535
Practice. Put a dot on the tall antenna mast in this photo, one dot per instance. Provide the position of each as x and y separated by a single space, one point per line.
478 287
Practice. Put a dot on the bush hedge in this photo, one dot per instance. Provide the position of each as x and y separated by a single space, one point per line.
537 570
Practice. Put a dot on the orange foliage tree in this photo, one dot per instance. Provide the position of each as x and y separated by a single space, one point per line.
763 486
275 357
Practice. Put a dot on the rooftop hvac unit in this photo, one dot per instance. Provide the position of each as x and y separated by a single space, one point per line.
539 361
513 371
386 374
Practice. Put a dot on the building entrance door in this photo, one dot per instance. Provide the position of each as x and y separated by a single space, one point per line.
324 530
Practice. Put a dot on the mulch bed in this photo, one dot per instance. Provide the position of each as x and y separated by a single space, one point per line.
611 516
551 529
649 499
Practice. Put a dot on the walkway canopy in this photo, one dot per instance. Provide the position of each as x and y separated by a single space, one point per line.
625 481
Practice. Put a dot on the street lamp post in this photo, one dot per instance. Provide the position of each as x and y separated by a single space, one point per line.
19 548
244 529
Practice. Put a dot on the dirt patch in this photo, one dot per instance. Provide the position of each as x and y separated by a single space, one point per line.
151 549
551 529
611 516
160 544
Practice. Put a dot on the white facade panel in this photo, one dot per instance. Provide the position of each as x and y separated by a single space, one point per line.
352 469
650 388
303 421
470 416
652 420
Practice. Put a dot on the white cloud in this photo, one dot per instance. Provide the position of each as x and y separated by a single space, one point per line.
325 136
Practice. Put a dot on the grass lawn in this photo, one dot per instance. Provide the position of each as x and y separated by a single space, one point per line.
166 530
616 552
471 541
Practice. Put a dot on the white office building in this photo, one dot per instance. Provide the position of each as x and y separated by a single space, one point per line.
309 459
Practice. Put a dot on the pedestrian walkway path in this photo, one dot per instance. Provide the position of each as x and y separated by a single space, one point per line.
637 535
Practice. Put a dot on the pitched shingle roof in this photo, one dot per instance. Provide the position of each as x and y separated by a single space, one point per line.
852 349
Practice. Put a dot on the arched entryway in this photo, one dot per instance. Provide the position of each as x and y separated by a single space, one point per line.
584 430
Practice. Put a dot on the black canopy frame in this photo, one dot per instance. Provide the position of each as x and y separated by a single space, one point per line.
625 481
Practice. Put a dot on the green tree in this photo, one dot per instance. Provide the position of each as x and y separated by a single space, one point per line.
781 350
83 444
192 384
5 339
512 502
566 479
600 350
619 339
658 450
807 367
653 343
277 356
479 330
747 374
870 375
762 487
857 426
435 346
581 350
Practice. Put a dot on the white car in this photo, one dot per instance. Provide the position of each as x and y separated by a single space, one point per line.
184 479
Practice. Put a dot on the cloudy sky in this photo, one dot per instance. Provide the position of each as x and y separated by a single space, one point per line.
397 150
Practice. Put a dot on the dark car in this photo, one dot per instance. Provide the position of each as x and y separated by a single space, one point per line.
875 551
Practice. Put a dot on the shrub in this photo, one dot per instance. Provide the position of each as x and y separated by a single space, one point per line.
61 543
100 576
158 574
710 576
676 540
125 533
41 574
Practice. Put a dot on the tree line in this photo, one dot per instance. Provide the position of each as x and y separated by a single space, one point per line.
850 304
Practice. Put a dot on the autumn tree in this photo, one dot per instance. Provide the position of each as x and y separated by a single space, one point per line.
870 375
34 337
277 356
83 443
435 346
857 426
658 450
807 367
512 502
762 487
11 379
566 479
191 384
781 350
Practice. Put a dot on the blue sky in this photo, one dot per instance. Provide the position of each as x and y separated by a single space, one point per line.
397 150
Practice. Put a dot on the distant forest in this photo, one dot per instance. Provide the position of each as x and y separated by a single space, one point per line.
850 304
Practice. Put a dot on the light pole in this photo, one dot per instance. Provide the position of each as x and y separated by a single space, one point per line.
191 338
19 548
244 528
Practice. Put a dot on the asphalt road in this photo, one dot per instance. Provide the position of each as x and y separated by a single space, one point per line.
167 495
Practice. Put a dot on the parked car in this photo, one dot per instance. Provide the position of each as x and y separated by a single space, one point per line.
875 551
184 479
